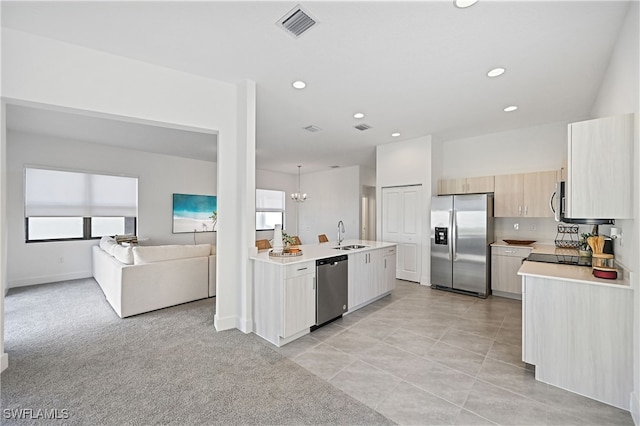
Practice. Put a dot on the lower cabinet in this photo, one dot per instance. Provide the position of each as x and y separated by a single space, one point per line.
299 310
371 274
362 277
579 336
389 261
284 300
505 262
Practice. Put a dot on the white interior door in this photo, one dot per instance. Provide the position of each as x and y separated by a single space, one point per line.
401 224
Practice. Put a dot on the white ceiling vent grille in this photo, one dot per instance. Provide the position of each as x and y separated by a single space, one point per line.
362 127
312 128
297 21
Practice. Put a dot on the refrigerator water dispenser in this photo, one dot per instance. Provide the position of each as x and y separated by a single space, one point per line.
441 236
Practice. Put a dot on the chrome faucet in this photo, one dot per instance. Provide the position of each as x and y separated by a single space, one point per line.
340 232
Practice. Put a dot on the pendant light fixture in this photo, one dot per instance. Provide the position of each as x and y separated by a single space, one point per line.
298 197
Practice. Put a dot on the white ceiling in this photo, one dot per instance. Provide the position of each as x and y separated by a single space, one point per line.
414 67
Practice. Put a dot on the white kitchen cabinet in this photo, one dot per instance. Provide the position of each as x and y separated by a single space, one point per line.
299 310
372 274
579 337
524 194
284 300
600 168
505 262
389 266
470 185
363 282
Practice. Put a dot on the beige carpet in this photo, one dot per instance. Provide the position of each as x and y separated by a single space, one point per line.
68 351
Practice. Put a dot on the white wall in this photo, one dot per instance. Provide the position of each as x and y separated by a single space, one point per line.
46 72
334 195
619 95
407 163
159 176
530 149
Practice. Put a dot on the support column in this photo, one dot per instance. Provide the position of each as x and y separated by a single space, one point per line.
236 216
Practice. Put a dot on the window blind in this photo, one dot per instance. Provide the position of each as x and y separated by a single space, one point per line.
55 193
269 200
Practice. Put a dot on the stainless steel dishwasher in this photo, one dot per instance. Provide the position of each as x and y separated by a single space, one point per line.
331 290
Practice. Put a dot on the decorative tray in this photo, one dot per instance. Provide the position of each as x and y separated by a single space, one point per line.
519 242
285 253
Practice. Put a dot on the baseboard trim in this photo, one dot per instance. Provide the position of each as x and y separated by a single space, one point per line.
4 362
244 325
222 324
634 405
44 279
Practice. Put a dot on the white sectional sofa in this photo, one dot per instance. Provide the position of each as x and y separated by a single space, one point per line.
145 278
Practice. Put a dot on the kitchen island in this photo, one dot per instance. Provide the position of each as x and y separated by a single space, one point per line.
577 330
284 288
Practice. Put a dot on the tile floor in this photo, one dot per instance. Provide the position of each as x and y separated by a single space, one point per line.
429 357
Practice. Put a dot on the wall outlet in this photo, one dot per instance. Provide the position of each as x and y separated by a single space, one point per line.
534 228
516 226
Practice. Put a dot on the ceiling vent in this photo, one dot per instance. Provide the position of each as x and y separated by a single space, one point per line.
362 127
296 22
312 128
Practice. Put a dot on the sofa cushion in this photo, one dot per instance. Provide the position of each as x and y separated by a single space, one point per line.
108 244
152 254
123 254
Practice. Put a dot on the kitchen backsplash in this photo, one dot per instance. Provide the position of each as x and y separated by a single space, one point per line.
542 230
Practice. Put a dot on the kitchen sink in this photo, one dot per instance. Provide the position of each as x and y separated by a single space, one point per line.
350 247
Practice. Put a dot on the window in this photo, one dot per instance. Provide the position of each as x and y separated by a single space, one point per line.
269 209
61 205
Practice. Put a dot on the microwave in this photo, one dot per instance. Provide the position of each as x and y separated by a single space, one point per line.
557 203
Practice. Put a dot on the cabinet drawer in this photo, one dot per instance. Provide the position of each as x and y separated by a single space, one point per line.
298 269
521 252
389 251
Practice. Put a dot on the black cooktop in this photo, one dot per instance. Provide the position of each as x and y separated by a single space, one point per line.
560 258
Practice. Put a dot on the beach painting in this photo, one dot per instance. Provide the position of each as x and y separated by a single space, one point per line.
194 213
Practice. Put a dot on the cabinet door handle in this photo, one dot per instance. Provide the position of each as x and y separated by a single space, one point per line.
510 251
526 210
519 210
385 264
302 269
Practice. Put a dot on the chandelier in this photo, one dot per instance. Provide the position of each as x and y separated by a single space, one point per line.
298 197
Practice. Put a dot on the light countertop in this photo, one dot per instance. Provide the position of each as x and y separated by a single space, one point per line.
320 251
573 273
580 274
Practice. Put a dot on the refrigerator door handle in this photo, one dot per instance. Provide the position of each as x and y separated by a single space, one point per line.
450 235
454 234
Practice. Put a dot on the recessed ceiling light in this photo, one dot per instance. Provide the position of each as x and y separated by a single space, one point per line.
395 135
510 108
299 84
358 115
496 72
464 3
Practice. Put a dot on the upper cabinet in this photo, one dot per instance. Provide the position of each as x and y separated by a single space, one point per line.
600 168
524 194
473 185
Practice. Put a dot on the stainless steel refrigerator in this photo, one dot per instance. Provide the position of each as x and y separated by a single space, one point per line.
461 234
